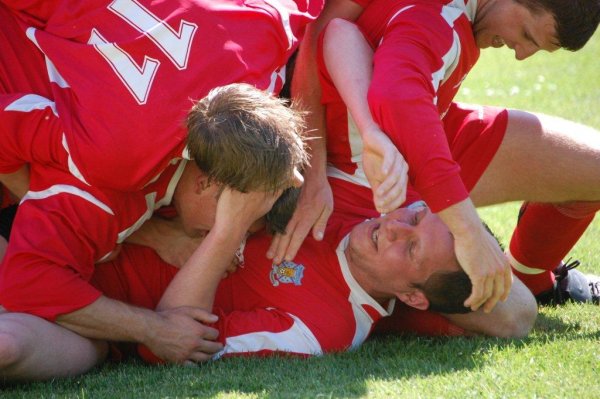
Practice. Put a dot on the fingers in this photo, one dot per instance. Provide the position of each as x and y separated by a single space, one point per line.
391 199
508 280
203 316
498 284
275 242
205 352
286 246
291 241
321 223
478 294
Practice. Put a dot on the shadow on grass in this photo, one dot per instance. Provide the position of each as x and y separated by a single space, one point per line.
338 375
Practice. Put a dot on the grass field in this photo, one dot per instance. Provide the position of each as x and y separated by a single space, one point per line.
559 360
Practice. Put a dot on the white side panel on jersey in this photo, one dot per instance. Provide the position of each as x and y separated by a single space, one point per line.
357 178
358 297
137 79
53 74
166 200
73 169
297 339
66 189
31 102
150 201
277 76
285 20
176 45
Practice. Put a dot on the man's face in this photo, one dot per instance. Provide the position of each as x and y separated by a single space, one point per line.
402 248
195 200
505 22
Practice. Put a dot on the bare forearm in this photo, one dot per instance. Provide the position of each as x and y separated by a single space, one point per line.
343 41
306 88
461 218
197 281
111 320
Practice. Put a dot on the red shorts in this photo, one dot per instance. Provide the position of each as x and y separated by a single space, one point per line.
474 135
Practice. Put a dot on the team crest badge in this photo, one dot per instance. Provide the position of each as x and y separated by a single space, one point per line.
287 273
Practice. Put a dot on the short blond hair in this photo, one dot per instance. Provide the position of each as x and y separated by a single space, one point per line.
246 138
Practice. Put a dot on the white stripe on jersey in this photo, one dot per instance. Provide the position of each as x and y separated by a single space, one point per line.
357 178
358 297
53 73
150 201
30 102
285 20
153 204
71 164
67 189
297 339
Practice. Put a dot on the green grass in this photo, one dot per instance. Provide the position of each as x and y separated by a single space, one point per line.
559 360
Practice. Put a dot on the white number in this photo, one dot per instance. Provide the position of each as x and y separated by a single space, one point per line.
175 45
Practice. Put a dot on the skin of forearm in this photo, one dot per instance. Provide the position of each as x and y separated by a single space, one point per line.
108 319
352 78
306 88
197 281
461 218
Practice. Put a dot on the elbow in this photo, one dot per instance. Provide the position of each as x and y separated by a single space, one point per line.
521 320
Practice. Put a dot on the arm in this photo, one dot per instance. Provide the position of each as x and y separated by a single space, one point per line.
315 203
384 166
402 101
196 283
175 335
46 272
513 318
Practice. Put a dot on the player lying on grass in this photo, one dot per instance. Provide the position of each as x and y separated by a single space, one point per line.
248 148
499 155
423 51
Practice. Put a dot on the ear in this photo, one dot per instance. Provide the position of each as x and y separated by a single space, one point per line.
415 298
201 183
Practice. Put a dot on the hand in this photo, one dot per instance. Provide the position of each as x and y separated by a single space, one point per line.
479 255
386 170
240 210
315 205
487 267
182 336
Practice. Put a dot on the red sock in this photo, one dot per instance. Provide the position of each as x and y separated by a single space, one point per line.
544 235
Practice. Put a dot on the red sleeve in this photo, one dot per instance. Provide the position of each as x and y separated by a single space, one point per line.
54 244
402 101
30 131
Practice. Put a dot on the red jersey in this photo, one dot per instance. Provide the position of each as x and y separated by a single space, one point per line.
309 306
124 73
62 228
424 50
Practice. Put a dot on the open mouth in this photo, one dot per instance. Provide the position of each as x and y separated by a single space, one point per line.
375 235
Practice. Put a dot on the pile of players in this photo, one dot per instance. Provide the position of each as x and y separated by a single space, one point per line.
158 178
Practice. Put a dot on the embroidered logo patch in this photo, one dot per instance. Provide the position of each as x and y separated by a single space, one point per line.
287 273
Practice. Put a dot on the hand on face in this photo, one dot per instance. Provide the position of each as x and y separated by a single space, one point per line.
315 205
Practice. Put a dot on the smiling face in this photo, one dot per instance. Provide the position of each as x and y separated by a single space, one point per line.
391 253
506 22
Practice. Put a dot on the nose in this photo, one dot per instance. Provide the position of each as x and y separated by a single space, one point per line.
524 51
397 230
